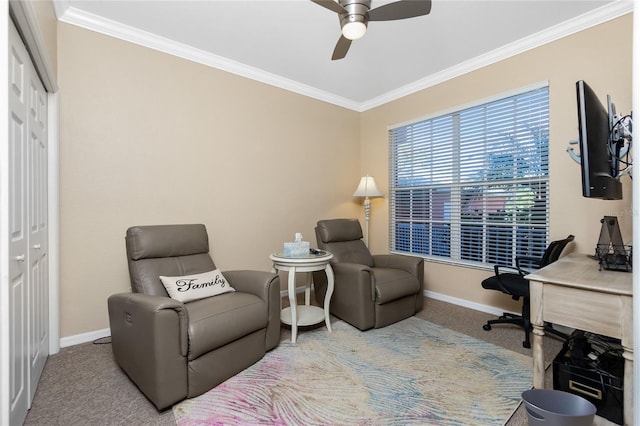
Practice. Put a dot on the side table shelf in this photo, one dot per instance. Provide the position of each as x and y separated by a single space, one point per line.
307 315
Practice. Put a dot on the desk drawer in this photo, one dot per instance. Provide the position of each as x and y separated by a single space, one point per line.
583 309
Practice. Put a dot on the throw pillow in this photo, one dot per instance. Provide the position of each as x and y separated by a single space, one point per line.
197 286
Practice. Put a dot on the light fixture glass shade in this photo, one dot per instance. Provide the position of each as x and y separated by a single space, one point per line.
367 188
354 30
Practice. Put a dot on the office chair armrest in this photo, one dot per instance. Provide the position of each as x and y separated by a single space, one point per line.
531 262
501 269
497 271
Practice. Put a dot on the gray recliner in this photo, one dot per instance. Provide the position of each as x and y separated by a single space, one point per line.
371 291
173 350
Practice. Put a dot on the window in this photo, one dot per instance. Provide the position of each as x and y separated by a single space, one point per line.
471 187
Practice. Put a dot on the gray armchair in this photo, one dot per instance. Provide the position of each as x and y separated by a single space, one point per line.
173 350
370 291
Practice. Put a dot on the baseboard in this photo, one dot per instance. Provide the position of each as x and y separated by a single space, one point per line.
465 303
438 296
300 289
78 339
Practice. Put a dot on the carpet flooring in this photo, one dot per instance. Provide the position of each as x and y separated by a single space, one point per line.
412 372
82 385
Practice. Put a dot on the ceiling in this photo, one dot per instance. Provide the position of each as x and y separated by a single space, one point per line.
288 43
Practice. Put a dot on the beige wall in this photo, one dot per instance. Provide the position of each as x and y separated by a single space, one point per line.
602 57
48 25
148 138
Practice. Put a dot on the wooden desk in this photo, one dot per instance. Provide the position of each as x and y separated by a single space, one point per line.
574 293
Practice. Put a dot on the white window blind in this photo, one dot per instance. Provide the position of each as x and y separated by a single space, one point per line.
472 186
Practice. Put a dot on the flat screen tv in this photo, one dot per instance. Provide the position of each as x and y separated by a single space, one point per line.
598 161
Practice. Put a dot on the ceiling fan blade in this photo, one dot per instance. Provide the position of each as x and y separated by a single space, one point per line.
331 5
400 10
341 49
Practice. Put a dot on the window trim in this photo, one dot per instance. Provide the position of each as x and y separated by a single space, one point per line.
448 111
474 103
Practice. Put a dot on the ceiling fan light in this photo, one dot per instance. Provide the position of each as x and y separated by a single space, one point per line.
354 30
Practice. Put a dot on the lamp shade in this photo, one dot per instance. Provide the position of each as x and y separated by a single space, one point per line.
367 188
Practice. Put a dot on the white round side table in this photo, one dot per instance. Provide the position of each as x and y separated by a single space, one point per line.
305 314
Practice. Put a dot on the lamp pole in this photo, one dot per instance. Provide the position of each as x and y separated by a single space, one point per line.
367 188
367 214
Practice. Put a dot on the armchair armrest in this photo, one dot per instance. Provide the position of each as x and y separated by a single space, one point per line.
254 282
354 293
359 278
137 310
349 268
345 273
150 342
411 264
265 285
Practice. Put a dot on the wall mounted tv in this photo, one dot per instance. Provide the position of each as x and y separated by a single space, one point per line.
599 155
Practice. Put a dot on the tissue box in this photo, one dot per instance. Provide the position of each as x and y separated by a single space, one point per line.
296 249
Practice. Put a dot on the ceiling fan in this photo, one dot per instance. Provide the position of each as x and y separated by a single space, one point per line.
355 15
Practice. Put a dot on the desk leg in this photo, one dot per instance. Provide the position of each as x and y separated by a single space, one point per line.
628 387
293 304
537 321
627 354
327 297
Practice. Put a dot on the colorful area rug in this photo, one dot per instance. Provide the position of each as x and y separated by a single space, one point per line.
412 372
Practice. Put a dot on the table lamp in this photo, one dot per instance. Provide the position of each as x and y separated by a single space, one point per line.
367 188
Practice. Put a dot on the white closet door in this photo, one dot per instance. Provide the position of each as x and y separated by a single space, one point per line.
28 228
38 229
18 230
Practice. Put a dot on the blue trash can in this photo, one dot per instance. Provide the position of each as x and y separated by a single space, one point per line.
550 407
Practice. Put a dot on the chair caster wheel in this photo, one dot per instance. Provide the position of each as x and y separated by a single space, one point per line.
526 345
486 327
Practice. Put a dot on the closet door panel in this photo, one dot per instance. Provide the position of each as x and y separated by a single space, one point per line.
18 230
28 275
38 251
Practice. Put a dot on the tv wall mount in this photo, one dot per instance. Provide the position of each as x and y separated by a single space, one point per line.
620 138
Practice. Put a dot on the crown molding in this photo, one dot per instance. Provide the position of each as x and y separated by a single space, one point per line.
89 21
567 28
111 28
59 7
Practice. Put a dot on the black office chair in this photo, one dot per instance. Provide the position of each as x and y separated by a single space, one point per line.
515 285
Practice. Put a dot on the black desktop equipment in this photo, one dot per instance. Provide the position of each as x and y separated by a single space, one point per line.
592 366
605 140
598 165
611 252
